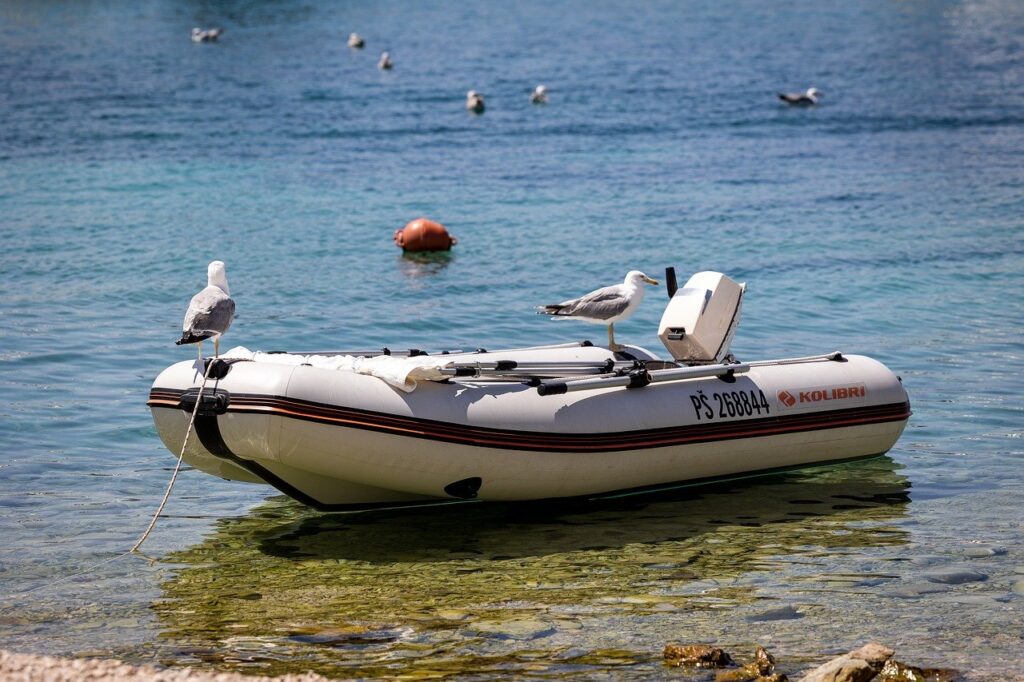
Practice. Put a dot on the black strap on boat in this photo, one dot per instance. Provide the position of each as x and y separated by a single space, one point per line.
207 428
210 436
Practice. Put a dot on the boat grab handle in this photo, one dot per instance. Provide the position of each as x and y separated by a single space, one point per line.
211 404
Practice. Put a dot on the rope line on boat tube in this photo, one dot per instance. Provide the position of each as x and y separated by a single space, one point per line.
152 523
177 466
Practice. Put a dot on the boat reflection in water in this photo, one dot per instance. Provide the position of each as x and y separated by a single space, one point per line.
417 265
520 588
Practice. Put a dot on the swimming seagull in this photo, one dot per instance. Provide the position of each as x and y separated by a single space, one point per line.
607 305
207 35
210 312
539 95
475 102
801 99
385 62
355 40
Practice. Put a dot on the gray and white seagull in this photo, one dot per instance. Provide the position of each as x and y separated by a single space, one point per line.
607 305
210 312
206 35
801 99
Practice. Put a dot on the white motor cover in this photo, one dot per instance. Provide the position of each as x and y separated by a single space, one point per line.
699 322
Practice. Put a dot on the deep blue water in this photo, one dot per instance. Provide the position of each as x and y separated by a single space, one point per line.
886 221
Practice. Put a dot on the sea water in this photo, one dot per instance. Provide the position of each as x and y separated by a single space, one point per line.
885 221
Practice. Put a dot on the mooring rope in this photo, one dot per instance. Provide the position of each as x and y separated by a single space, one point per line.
177 466
152 523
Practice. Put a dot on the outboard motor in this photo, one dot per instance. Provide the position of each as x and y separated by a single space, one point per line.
699 322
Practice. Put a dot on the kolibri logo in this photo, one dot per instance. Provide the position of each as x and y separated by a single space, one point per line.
817 395
787 399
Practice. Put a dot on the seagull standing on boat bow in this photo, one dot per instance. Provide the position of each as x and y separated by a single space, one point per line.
210 312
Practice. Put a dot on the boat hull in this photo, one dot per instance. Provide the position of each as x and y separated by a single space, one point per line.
337 440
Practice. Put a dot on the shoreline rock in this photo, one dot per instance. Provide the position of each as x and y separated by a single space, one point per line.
859 665
871 662
696 655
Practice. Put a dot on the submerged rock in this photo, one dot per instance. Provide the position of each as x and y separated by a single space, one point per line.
524 629
748 673
346 636
952 576
984 551
916 590
859 665
894 671
699 655
762 669
780 613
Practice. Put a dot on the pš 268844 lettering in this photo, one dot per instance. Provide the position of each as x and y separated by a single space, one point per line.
729 404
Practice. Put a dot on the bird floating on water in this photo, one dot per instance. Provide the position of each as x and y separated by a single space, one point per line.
607 305
801 99
206 35
210 312
355 40
385 63
539 95
475 102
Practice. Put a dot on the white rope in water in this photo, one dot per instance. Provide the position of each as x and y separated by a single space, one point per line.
159 510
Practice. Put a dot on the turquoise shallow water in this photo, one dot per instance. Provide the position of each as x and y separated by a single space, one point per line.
885 221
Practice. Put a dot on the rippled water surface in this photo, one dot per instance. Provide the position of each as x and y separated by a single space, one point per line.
886 221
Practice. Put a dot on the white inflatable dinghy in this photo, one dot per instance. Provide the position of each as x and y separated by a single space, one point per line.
357 430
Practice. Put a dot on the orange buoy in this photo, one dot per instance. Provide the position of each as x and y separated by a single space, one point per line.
424 235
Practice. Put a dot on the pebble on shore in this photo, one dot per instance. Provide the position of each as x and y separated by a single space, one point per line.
31 667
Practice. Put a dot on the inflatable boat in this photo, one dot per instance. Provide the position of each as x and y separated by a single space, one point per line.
357 430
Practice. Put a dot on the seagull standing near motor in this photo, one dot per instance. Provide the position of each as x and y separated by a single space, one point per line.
607 305
210 312
801 99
